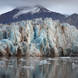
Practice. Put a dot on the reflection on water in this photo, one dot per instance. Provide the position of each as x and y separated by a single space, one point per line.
35 67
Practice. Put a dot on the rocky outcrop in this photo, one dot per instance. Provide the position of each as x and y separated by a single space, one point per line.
38 37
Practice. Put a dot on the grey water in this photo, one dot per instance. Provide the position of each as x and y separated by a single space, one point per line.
37 67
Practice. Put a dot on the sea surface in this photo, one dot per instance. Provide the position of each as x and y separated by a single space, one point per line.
37 67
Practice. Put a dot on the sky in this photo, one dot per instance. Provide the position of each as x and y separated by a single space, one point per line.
62 6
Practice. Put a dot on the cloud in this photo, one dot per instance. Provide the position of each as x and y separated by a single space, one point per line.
62 6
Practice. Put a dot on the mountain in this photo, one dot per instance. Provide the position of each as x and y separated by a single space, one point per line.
73 19
25 13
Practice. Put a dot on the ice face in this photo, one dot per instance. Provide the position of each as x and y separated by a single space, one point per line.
38 38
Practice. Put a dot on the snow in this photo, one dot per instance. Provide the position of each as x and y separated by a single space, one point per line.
32 10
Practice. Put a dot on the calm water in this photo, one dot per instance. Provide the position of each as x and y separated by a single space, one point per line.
35 67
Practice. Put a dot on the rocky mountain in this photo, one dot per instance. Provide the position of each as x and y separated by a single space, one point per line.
73 20
26 13
38 37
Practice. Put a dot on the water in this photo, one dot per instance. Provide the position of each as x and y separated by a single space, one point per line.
36 67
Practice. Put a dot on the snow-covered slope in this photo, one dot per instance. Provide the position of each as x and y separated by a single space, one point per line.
32 10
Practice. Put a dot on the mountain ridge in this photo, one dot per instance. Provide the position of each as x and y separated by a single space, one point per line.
27 13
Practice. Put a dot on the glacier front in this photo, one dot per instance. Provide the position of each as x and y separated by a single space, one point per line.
38 37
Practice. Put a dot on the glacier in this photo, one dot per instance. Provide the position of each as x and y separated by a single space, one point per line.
38 37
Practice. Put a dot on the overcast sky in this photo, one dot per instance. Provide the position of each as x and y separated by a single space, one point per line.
61 6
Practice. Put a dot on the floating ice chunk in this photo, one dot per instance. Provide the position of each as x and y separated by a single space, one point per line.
27 67
50 59
74 65
65 57
2 63
43 62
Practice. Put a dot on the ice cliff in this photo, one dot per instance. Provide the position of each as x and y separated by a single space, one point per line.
38 37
